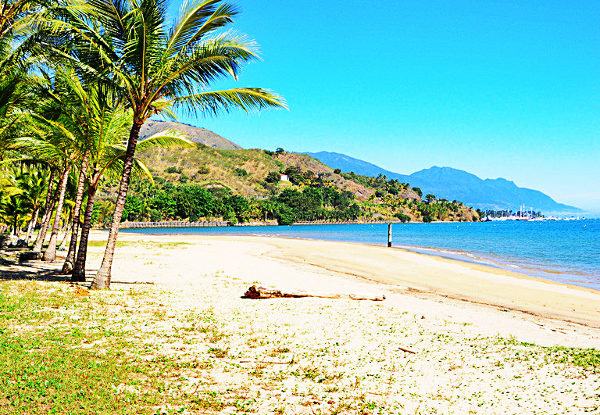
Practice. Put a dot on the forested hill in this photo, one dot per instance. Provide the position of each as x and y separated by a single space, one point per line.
451 184
250 185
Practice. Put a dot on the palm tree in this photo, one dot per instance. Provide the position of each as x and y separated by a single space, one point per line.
48 209
15 208
110 162
156 68
106 158
52 142
33 184
76 214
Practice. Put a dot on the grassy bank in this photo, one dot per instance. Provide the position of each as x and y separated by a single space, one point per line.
140 349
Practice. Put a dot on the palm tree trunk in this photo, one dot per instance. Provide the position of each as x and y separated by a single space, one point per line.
102 279
68 265
68 225
15 230
39 242
79 266
31 226
48 208
50 254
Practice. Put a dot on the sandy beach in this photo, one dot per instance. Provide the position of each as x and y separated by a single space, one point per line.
450 337
331 267
458 318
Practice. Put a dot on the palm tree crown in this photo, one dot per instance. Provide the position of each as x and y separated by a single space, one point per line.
127 45
158 67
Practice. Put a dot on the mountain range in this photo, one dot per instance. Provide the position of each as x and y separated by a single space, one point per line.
453 184
443 182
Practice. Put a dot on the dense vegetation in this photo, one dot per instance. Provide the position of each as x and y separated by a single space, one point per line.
79 79
246 186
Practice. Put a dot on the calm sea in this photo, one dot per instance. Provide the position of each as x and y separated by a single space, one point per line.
564 251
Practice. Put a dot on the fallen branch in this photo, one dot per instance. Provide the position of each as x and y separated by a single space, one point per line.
264 362
256 292
407 350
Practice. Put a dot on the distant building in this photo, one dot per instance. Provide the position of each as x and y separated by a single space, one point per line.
284 178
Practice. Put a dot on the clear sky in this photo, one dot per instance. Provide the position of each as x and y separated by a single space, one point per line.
498 88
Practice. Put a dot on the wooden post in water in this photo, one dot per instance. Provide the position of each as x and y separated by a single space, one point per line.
389 235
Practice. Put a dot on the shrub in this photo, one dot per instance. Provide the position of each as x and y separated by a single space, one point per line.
337 171
173 169
273 177
155 215
285 216
402 217
240 172
203 170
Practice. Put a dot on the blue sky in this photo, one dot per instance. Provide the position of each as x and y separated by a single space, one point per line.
497 88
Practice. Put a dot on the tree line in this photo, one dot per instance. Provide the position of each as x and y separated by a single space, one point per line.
164 201
78 79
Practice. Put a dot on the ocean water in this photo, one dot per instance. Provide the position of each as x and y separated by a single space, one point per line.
563 251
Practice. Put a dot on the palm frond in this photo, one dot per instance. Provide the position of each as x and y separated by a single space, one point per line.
247 99
167 138
198 19
213 59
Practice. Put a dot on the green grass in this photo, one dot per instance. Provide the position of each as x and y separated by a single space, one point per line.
588 359
48 363
584 358
111 353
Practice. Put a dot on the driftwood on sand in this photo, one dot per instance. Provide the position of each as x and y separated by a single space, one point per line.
256 292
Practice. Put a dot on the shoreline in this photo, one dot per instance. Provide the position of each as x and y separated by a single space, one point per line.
532 264
415 274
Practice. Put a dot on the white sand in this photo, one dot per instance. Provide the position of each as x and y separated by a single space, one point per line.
347 355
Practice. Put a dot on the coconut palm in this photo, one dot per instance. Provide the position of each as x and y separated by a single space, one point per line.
52 142
98 125
48 209
110 162
16 16
15 208
33 184
156 67
106 158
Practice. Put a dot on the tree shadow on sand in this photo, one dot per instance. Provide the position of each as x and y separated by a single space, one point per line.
31 271
45 271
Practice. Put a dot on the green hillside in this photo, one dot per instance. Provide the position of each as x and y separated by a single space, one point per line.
246 185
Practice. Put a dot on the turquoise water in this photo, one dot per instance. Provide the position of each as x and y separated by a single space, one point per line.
564 251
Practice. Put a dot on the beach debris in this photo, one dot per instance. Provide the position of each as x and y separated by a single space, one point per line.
81 291
404 349
264 362
257 292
